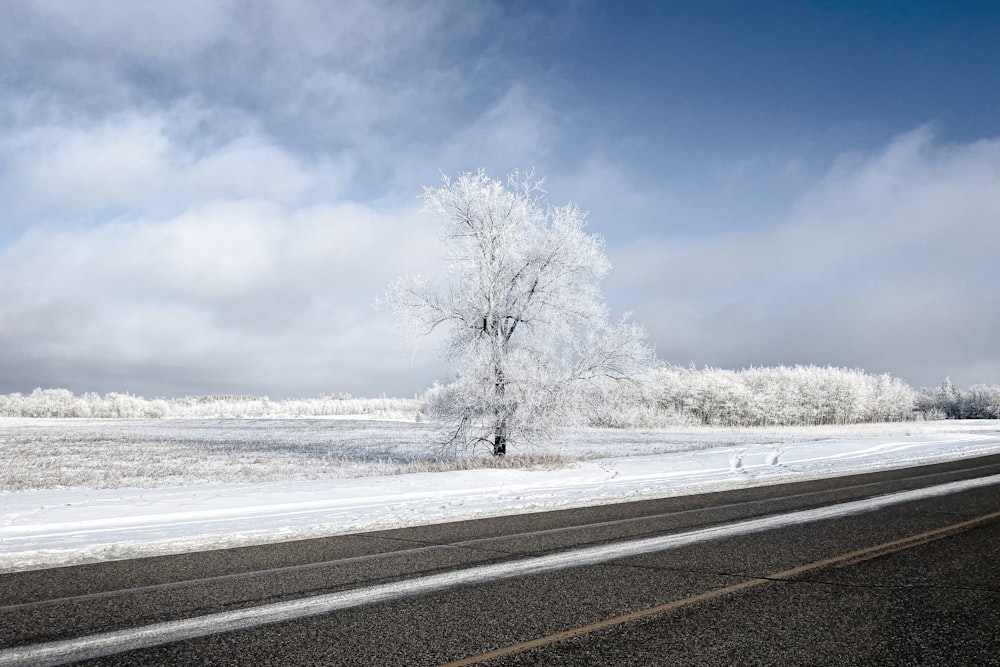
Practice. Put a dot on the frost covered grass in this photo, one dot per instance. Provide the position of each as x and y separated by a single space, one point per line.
110 454
38 454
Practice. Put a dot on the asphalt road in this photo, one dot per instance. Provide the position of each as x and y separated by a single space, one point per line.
873 588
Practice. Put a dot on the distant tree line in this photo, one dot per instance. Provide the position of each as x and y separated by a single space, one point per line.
58 403
979 401
803 395
785 396
674 395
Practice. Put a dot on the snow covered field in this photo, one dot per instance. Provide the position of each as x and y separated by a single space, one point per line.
83 490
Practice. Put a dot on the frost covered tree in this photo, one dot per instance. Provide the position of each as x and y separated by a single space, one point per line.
526 325
783 396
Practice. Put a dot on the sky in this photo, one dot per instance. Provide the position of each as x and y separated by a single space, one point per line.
209 198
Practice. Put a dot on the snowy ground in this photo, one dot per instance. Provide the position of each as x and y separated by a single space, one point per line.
84 490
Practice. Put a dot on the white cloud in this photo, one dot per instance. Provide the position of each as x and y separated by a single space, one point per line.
280 35
886 263
231 294
213 198
311 73
239 265
134 162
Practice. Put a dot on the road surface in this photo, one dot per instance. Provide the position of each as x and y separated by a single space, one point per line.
899 567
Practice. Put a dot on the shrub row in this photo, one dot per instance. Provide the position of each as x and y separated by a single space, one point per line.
947 402
64 403
762 396
785 396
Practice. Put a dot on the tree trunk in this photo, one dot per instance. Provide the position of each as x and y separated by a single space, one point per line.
500 425
500 438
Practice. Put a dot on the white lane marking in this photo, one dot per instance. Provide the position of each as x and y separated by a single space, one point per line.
94 646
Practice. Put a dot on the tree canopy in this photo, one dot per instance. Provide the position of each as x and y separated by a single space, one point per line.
526 325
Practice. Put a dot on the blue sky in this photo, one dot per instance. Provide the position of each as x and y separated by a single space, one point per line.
208 197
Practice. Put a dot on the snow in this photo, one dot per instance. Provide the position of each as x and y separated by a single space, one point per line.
45 527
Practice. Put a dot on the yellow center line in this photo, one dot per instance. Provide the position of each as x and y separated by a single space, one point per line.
842 560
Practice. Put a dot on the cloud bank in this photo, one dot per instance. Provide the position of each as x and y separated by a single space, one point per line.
885 263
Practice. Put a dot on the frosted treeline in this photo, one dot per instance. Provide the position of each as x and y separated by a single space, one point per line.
64 403
782 396
979 401
765 396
